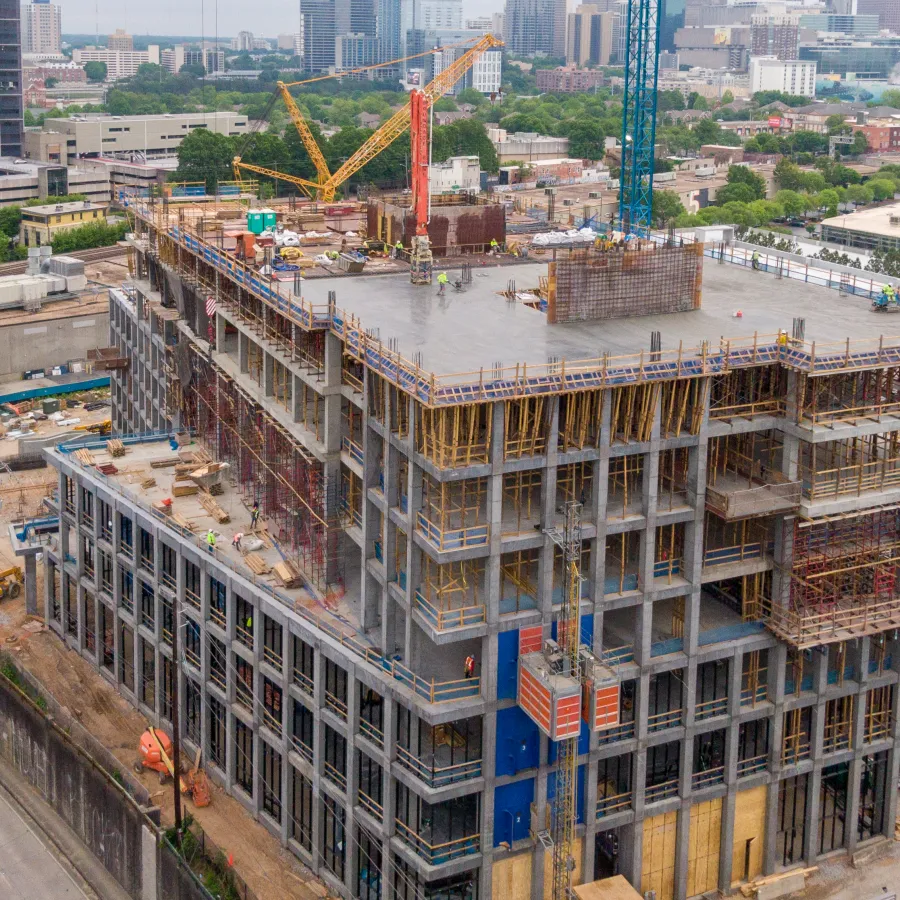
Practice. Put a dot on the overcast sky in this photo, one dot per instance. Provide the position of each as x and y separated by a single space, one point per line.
199 16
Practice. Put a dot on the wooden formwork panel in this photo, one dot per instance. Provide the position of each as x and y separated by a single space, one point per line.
511 877
577 874
658 856
749 834
704 843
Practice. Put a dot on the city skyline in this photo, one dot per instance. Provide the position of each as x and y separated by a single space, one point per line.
81 17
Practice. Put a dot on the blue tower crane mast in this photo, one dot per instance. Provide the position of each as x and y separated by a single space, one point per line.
639 115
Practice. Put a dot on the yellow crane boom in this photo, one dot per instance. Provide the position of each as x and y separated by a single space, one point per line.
309 142
399 122
310 188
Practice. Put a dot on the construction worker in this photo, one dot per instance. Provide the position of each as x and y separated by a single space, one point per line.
886 297
398 250
236 541
254 515
211 541
469 667
495 247
442 280
782 338
754 260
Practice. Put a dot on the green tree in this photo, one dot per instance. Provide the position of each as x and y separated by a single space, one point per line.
195 69
891 97
95 71
727 97
85 237
793 203
788 176
828 200
666 207
882 188
860 143
465 137
205 156
746 175
473 97
444 104
585 140
735 192
668 100
858 194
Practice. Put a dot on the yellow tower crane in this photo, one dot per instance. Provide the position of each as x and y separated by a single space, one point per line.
327 185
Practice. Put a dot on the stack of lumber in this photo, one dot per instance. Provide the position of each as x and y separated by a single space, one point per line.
148 483
115 448
751 889
107 469
181 521
196 457
163 462
184 488
85 457
213 508
256 564
287 574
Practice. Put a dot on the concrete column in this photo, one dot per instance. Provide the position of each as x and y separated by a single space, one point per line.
31 599
682 847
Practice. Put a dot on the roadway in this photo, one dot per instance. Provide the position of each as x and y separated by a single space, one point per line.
28 870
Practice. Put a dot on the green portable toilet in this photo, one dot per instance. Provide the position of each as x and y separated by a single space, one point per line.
270 220
255 221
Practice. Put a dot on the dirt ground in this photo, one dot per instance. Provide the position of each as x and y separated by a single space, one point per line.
837 881
268 869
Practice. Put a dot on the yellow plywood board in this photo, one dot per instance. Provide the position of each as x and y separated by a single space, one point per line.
749 826
511 877
615 888
577 875
658 858
703 847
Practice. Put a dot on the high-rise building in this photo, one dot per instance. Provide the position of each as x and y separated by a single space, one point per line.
120 40
589 37
243 43
211 59
293 43
438 15
888 12
318 34
777 36
793 76
119 63
11 109
41 27
535 26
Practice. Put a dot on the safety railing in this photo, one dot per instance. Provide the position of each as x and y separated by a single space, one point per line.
192 657
666 568
273 658
438 776
217 616
352 449
758 500
810 627
243 694
351 381
243 634
606 806
880 475
618 656
303 749
192 599
793 751
877 726
169 580
709 708
443 619
438 854
753 765
217 677
372 807
669 719
708 777
837 738
622 732
334 775
757 695
336 705
662 791
724 556
303 681
451 538
271 720
372 732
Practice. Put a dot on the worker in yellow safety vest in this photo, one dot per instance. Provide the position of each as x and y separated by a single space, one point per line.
442 282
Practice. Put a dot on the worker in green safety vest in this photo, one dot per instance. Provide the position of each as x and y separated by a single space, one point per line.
398 249
442 282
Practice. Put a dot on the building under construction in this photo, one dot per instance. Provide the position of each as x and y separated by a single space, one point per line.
376 680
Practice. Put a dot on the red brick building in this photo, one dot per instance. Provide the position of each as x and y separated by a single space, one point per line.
568 80
881 138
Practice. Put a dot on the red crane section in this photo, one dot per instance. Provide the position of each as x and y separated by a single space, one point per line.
420 108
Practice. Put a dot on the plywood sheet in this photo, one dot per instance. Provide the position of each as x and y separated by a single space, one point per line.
749 825
511 878
615 888
703 847
658 858
577 875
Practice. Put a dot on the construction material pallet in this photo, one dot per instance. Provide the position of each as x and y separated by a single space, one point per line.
115 448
